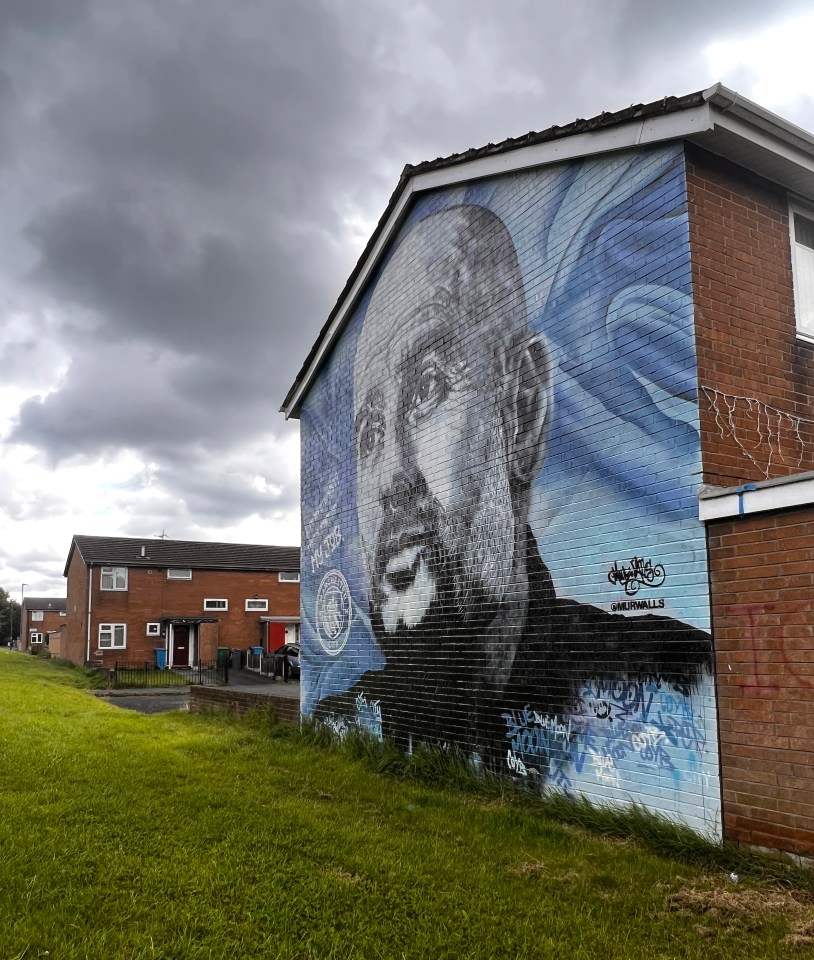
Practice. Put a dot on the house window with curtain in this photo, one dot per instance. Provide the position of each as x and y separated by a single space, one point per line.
112 636
113 578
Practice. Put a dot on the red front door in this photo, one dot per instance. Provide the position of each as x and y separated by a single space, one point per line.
180 646
276 636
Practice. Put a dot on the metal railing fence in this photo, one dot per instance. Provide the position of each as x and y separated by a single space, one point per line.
149 674
269 665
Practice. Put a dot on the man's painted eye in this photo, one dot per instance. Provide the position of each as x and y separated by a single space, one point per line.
430 390
370 433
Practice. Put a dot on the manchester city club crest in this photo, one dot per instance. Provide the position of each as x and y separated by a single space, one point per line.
334 613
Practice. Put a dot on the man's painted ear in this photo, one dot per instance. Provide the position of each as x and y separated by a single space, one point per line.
529 393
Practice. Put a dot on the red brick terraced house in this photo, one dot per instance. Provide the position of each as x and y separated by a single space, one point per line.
40 617
140 600
558 466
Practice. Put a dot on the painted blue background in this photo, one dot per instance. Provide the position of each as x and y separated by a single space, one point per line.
603 246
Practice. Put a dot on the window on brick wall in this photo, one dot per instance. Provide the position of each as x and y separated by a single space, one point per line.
255 603
36 615
113 578
211 604
802 248
284 577
179 573
37 637
112 636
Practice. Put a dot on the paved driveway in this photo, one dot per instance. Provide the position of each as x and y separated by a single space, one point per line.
148 704
147 701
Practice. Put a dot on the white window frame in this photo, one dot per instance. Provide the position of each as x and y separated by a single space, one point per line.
179 573
107 632
216 604
37 616
113 572
803 333
285 576
154 629
35 637
255 604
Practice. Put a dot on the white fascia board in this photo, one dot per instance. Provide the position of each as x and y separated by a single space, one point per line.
744 501
671 126
760 138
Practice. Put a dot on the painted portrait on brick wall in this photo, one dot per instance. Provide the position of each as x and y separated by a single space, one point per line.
499 546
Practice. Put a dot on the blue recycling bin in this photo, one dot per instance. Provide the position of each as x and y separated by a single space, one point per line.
161 658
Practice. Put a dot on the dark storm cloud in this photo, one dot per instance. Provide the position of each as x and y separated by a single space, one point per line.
228 92
39 17
7 108
129 397
151 280
202 204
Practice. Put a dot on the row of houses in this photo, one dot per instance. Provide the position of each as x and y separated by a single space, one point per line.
178 601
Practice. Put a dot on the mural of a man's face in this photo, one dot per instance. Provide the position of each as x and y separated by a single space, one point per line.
450 397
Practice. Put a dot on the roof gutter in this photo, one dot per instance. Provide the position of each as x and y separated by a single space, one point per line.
728 101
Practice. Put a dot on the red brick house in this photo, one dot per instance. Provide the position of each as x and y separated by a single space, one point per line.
40 616
558 466
137 599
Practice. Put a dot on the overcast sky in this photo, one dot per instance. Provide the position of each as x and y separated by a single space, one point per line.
185 186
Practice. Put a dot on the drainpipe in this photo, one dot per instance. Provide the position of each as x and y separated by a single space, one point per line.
90 585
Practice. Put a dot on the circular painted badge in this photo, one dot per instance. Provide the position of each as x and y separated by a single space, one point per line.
334 612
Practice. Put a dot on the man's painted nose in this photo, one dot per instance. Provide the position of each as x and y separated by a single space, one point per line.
400 493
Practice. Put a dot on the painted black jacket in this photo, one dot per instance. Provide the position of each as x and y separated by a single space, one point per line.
566 648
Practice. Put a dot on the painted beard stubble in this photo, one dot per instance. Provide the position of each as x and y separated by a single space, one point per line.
439 580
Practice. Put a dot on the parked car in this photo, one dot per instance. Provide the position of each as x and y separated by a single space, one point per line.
291 653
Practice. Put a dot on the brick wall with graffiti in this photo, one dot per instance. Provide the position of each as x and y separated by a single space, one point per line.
763 601
501 548
756 376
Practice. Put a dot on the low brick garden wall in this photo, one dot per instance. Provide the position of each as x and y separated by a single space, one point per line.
206 699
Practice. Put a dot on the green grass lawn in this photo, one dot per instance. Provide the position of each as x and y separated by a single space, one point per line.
176 836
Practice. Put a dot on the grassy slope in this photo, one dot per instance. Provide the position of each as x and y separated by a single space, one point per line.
178 836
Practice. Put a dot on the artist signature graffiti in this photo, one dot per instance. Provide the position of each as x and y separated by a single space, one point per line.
637 574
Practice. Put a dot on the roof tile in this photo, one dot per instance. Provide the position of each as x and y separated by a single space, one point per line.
194 554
